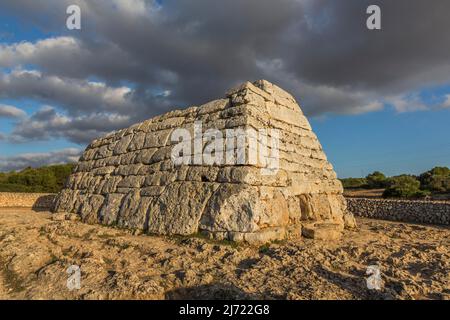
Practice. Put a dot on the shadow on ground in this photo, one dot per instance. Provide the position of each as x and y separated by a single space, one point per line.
44 203
214 291
353 283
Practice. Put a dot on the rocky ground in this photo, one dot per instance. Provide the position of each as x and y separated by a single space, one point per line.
36 250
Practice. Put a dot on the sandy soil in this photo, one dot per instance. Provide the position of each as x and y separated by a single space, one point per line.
378 194
364 193
36 251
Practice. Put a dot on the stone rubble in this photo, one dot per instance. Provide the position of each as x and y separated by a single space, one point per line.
128 178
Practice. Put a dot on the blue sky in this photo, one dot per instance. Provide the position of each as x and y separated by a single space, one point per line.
377 101
387 141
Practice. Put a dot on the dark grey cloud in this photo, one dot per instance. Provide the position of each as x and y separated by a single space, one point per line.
47 123
24 160
74 95
153 56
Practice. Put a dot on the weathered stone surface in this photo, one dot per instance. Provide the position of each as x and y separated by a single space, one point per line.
129 179
322 231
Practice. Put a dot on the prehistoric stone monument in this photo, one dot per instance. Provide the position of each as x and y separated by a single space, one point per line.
131 178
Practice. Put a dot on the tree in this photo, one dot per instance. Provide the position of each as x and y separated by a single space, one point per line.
353 183
404 186
376 180
436 179
45 179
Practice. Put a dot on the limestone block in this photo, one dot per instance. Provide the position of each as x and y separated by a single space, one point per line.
137 142
213 106
126 170
122 145
128 158
179 208
131 182
157 139
152 191
103 170
322 231
109 211
145 156
202 174
111 183
90 207
265 235
160 178
133 211
233 207
103 152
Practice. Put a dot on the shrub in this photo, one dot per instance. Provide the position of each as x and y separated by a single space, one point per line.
376 180
404 186
349 183
437 179
49 179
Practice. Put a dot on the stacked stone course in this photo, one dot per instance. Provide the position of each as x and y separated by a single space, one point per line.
128 178
26 200
431 212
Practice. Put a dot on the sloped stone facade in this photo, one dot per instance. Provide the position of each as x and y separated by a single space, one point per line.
129 178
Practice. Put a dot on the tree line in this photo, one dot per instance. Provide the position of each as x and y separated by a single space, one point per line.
436 180
49 179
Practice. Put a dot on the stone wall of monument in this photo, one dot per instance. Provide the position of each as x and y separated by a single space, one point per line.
26 200
432 212
129 178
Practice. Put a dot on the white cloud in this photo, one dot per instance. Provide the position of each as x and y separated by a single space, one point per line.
8 111
20 161
408 103
28 52
446 103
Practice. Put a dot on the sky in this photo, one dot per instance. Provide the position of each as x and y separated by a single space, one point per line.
377 99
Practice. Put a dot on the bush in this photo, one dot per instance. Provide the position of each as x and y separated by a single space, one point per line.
437 179
49 179
354 183
376 180
404 186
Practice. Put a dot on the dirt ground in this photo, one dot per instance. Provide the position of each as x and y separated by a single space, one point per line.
378 194
36 252
364 193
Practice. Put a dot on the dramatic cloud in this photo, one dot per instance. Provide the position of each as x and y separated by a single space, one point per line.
74 95
47 123
11 112
134 59
39 159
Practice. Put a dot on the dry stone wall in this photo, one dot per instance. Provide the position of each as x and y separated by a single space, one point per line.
432 212
26 200
128 178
